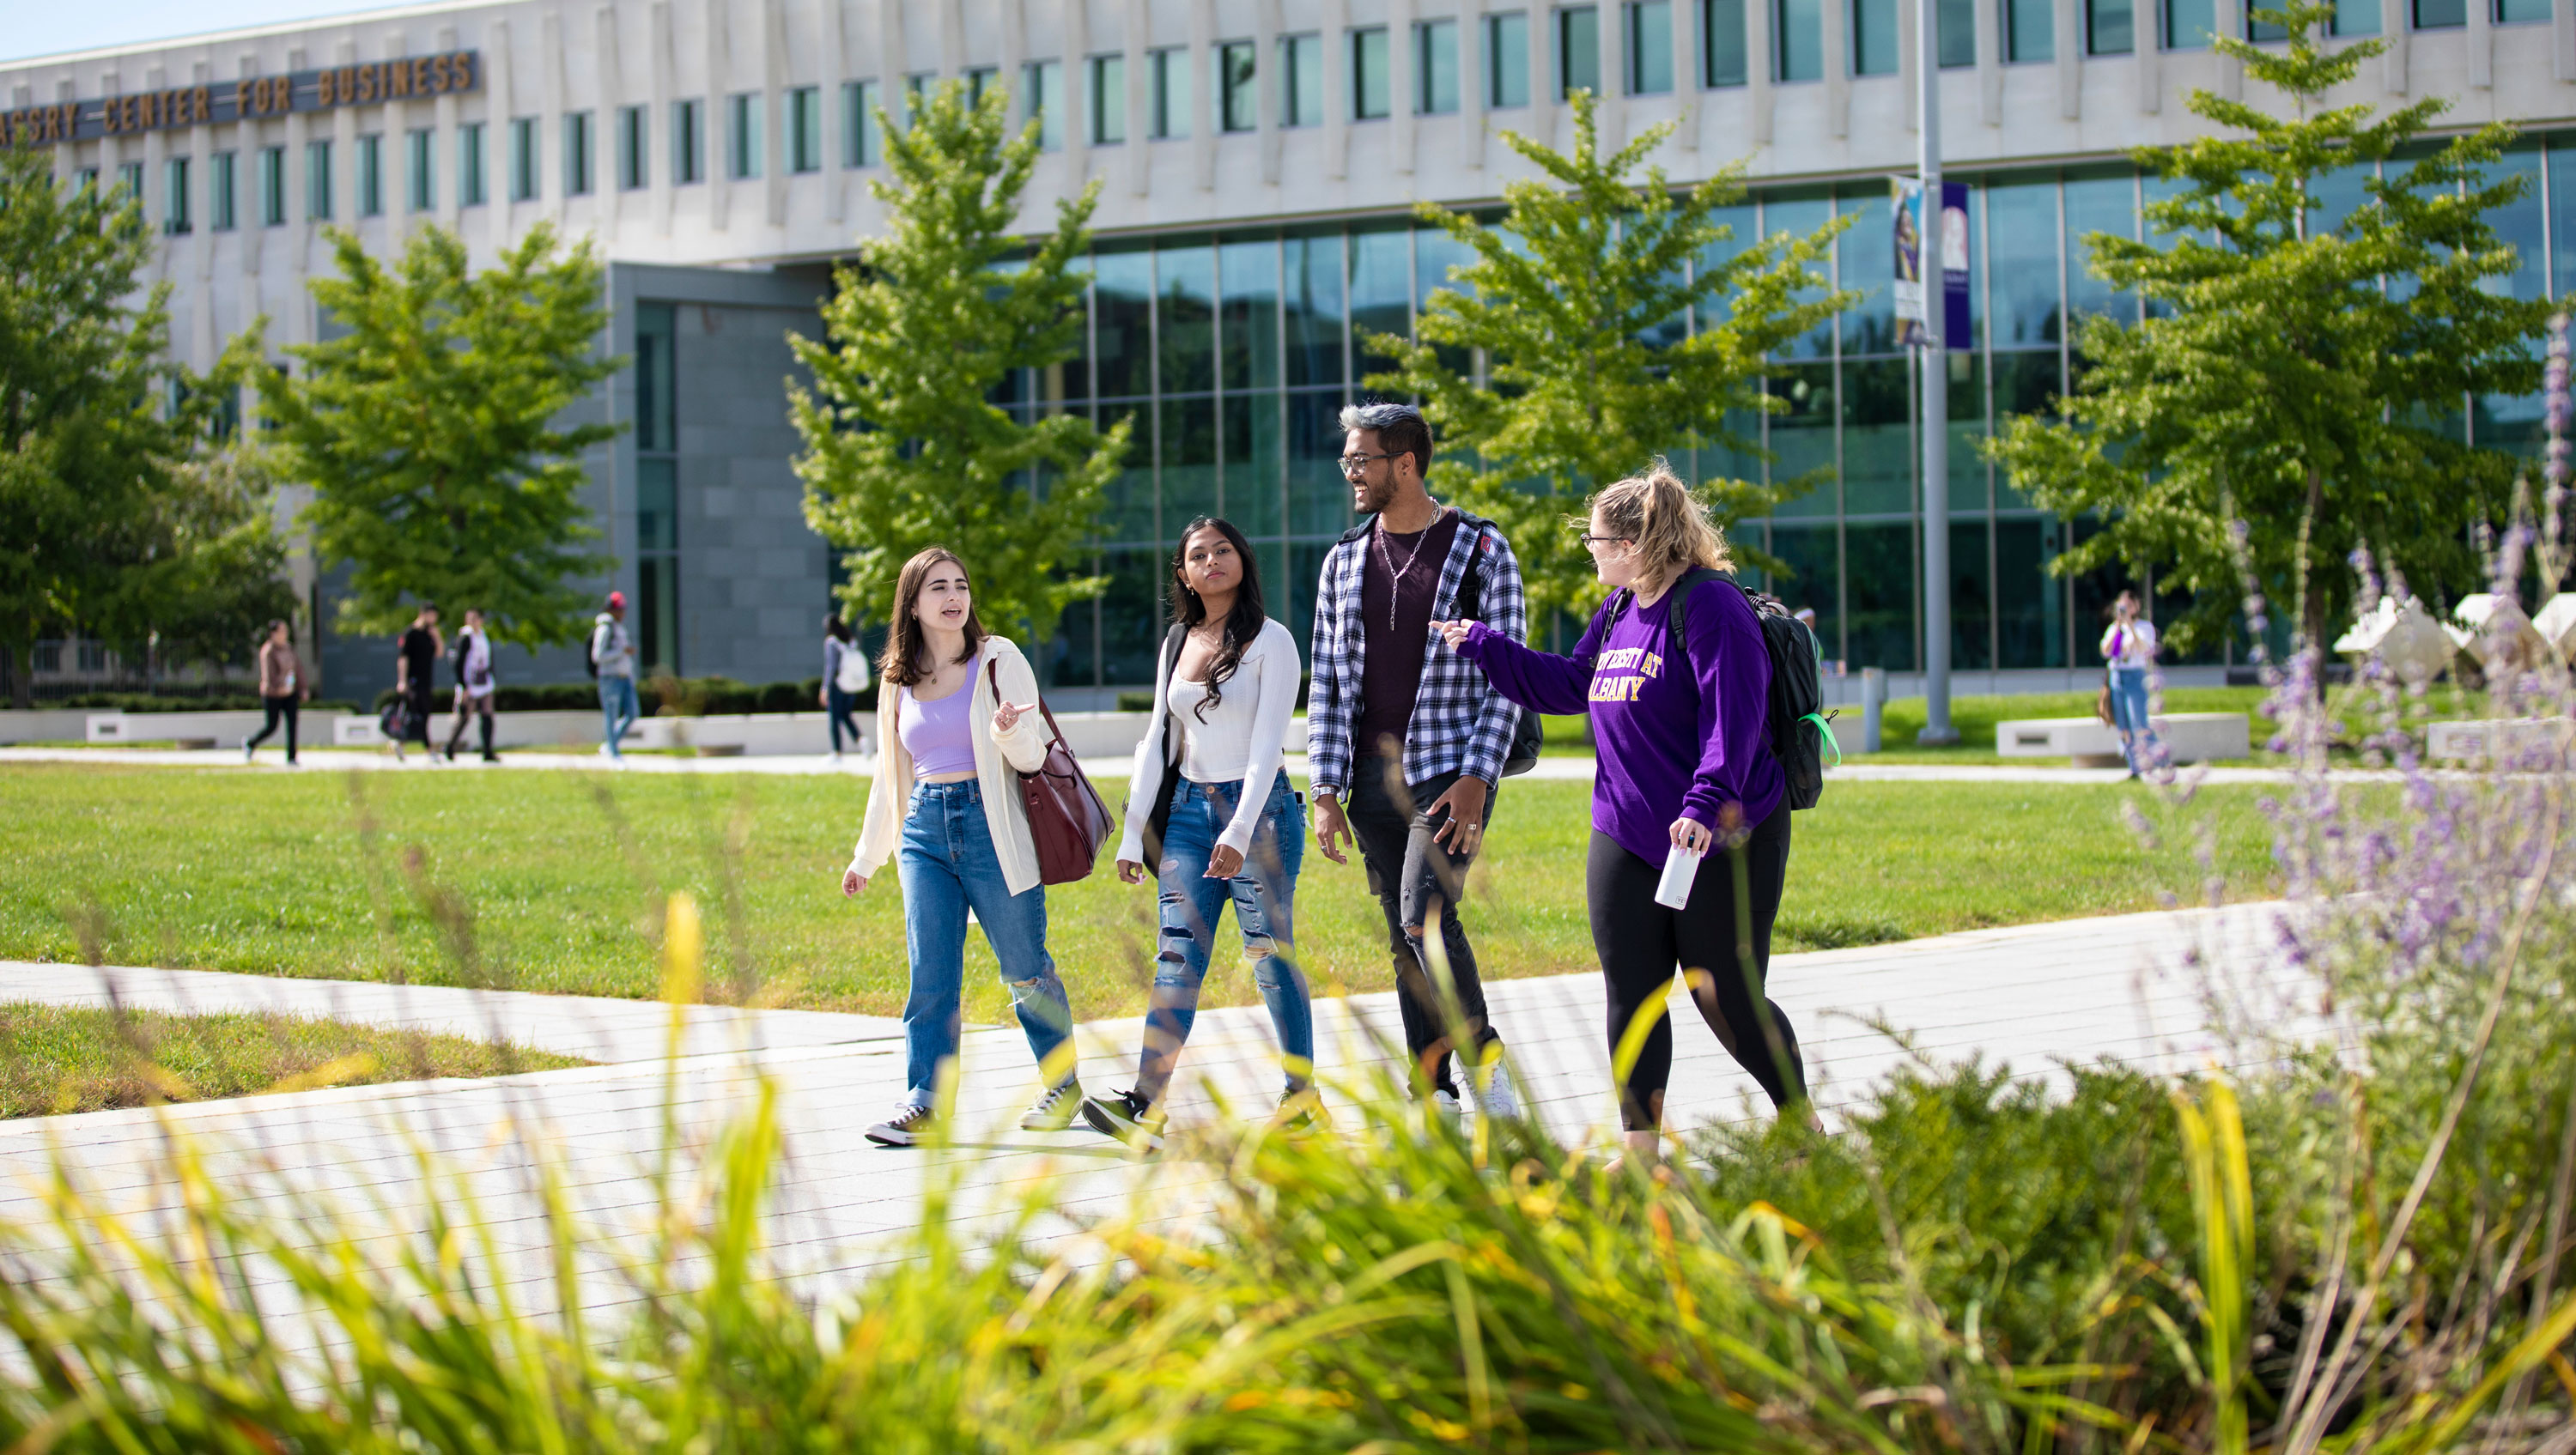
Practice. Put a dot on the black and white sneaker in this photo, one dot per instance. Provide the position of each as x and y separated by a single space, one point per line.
1128 1117
1053 1110
906 1128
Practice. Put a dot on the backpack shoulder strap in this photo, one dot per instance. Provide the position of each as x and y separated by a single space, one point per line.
1679 618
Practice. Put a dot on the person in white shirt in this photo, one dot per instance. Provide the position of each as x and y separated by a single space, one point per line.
474 684
1210 807
2129 649
612 659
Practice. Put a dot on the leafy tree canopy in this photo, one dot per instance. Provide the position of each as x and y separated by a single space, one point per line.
905 446
2297 372
430 430
1554 367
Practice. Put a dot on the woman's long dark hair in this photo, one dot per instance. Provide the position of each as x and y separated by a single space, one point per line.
1242 625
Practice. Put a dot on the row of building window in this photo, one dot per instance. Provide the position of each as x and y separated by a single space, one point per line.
2027 30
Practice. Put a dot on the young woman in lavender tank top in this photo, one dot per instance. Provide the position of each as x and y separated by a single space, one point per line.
947 810
1684 762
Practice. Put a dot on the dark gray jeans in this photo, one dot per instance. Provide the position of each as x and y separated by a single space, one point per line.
1408 870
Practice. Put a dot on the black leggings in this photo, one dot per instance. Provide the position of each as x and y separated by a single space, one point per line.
277 709
1640 942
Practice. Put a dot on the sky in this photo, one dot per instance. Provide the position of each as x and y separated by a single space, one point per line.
36 28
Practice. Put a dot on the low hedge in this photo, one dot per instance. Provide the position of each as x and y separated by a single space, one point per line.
663 697
157 702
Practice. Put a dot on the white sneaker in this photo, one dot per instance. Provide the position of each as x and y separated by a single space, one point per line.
1054 1109
1498 1101
1446 1104
247 750
836 760
604 751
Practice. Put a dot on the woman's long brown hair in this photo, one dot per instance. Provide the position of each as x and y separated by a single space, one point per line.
901 664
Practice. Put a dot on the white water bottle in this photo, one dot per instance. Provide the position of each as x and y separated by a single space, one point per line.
1681 866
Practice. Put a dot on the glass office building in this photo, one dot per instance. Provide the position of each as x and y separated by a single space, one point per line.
1233 352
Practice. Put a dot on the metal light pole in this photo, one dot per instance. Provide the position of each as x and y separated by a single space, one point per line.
1932 252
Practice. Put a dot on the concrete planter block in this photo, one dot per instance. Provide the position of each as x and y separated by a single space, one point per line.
2516 742
354 731
2189 737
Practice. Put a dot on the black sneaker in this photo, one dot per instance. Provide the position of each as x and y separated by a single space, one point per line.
1302 1111
1128 1117
906 1128
1054 1108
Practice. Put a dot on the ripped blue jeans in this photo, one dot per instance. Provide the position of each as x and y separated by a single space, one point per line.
1264 896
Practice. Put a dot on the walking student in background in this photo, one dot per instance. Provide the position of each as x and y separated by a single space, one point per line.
281 690
474 684
1211 810
415 657
1405 739
845 676
612 660
1684 762
2128 650
953 725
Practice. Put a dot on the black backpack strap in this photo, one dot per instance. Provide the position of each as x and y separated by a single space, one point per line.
1160 817
1677 620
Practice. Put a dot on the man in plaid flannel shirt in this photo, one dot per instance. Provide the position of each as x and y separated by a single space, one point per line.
1406 746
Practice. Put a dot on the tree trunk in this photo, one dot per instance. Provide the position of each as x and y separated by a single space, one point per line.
22 675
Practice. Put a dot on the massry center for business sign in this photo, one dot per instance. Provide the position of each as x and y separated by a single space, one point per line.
248 99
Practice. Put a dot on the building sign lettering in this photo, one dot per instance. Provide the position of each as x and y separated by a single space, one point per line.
249 99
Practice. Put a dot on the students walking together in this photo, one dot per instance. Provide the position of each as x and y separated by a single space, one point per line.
415 658
955 720
1406 740
281 690
1681 720
474 685
612 660
2128 650
1211 811
845 676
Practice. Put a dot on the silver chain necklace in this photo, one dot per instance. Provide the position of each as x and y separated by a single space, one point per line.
1394 577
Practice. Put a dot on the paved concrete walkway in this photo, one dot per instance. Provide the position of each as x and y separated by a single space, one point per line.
1574 769
2132 989
594 1028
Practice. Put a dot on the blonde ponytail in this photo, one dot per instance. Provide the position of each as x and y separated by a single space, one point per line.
1669 524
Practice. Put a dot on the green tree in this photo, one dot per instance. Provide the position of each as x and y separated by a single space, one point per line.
1563 304
2297 373
95 421
226 579
904 444
430 431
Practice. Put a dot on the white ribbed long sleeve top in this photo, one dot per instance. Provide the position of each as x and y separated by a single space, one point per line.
1245 736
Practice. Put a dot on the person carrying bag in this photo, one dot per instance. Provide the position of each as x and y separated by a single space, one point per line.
957 740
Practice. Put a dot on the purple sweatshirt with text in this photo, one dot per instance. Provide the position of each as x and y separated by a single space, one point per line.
1671 743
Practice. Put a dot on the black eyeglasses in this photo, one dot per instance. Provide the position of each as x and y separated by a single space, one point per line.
1353 464
1589 540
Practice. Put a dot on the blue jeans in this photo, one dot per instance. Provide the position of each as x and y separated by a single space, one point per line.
948 867
841 706
2129 715
1265 899
618 707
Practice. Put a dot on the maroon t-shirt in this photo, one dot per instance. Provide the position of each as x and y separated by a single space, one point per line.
1403 571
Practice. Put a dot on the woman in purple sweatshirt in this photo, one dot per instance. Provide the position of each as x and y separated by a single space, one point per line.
1682 761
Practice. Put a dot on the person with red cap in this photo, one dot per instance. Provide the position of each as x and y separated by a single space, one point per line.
612 660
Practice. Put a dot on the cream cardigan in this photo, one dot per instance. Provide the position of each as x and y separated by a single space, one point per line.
1021 750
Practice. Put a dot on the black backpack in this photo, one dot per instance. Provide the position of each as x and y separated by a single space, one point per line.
1797 719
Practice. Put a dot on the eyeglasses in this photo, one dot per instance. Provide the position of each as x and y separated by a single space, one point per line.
1589 540
1353 464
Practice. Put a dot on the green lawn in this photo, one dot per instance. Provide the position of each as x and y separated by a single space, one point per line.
550 881
57 1059
1975 718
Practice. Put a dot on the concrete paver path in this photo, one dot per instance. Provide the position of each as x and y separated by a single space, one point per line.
2133 989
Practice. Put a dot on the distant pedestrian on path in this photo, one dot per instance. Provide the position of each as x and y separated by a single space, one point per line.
474 684
415 658
845 676
2128 651
1685 762
612 660
1406 739
955 722
1211 810
281 690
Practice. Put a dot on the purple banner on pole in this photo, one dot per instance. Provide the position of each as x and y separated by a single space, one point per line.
1929 250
